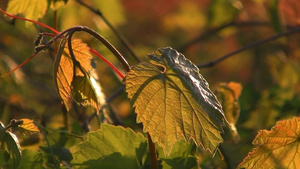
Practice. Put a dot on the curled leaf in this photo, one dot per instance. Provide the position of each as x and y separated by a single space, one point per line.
173 101
78 85
228 94
10 142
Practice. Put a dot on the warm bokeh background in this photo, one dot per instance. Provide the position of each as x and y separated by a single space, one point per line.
203 30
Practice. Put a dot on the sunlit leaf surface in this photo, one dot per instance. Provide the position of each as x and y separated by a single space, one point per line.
80 86
31 9
278 148
173 101
111 147
28 126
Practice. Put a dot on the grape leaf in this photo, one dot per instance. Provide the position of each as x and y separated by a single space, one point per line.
180 156
111 146
78 84
278 148
32 159
173 101
31 9
228 94
28 126
10 141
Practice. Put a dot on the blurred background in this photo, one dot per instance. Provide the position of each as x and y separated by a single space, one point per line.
203 30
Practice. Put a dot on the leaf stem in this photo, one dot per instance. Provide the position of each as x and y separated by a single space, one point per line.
104 42
248 46
152 151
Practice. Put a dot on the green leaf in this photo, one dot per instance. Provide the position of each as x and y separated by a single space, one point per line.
179 158
83 91
10 142
278 148
111 147
173 101
4 157
31 159
31 9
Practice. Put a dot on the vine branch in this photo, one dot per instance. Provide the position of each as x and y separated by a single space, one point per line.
248 46
116 32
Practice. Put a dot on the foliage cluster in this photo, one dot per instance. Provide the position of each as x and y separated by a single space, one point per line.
125 110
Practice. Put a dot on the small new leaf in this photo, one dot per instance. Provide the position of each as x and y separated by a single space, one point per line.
278 148
28 126
173 101
228 94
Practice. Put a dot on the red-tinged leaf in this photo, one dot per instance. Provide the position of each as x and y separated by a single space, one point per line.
278 148
77 85
173 101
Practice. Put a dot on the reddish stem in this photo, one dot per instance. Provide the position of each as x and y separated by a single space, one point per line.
20 65
36 22
48 34
108 63
152 151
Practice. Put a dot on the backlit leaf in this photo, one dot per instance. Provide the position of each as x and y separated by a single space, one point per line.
228 94
111 147
31 9
173 101
83 92
82 86
179 158
28 126
278 148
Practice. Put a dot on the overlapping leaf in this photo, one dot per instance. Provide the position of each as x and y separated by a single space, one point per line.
75 83
31 9
228 94
278 148
173 101
9 141
111 146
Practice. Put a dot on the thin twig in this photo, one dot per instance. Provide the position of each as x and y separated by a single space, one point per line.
116 32
212 31
251 45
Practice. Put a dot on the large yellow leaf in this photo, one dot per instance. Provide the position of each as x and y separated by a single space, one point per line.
78 83
173 101
276 149
31 9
